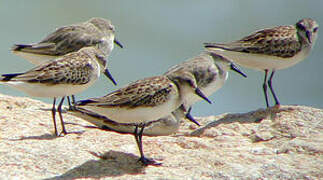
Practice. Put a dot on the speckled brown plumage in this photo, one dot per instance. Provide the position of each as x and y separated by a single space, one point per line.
74 68
71 38
280 41
146 92
271 49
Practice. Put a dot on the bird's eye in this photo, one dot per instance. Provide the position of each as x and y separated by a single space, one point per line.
300 26
315 29
111 28
188 81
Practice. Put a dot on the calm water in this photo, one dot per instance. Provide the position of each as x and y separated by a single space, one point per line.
159 34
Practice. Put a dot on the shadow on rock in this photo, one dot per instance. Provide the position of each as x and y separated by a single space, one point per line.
41 137
110 164
250 117
45 136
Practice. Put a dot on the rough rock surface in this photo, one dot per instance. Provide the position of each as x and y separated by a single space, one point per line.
284 143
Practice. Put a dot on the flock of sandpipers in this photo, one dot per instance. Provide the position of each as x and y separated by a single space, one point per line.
71 59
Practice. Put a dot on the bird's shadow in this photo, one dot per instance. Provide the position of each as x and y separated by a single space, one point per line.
249 117
45 136
109 164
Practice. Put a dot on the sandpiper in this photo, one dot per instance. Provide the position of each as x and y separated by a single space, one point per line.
208 70
97 32
161 127
142 102
271 49
64 76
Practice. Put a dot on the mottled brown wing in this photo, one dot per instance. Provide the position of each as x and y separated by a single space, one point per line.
281 41
69 39
59 71
146 92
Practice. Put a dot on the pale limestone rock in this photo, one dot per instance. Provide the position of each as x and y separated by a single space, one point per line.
285 143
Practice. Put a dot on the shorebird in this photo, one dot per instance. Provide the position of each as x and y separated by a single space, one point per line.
142 102
161 127
208 70
98 32
64 76
271 49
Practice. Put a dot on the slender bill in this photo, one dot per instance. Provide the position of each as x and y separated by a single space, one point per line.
118 43
108 74
236 69
202 95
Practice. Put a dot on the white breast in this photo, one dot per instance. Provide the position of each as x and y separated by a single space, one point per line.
262 62
139 114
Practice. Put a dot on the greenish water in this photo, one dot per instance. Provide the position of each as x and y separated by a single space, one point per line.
159 34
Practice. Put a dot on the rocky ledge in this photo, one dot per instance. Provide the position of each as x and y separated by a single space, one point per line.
284 143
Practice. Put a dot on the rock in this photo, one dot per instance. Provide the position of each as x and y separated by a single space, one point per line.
276 143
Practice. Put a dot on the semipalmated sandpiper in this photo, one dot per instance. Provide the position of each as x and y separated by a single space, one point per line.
64 76
97 32
208 70
271 49
142 102
161 127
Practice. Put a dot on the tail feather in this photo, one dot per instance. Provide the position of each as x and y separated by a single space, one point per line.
84 102
8 77
41 48
235 46
213 45
19 47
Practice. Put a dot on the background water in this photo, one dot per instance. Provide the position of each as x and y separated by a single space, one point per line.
161 33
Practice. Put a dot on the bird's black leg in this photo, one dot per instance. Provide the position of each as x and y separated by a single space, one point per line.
59 109
272 89
54 115
138 137
264 85
190 117
73 100
71 103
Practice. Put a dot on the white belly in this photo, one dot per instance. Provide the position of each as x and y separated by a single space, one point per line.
42 90
262 62
139 114
162 127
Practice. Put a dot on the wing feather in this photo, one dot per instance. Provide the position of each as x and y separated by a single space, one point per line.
281 41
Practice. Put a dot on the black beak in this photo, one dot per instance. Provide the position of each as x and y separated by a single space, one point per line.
190 117
118 43
108 74
202 95
236 69
309 36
